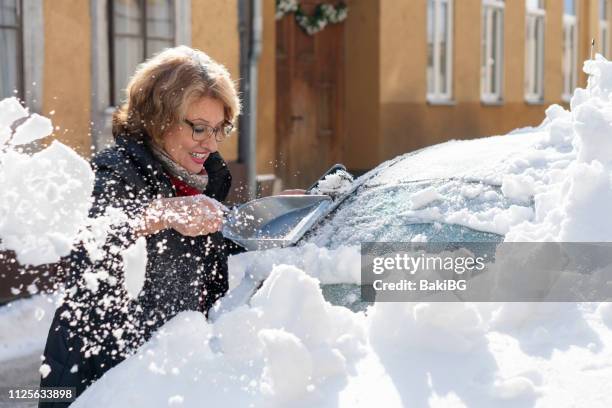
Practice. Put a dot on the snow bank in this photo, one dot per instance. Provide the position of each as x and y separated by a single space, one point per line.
441 327
288 346
573 200
342 265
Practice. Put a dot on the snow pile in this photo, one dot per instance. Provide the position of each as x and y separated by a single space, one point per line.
557 177
288 346
45 196
440 327
573 201
328 266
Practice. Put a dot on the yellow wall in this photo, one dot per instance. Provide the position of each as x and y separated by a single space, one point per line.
362 84
67 72
266 99
403 81
214 30
406 121
553 50
386 110
466 58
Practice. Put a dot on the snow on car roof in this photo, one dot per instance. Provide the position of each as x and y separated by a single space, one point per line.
483 159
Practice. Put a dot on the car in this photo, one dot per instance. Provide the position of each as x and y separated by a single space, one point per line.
450 192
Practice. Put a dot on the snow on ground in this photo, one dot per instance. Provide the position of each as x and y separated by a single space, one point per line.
24 325
289 347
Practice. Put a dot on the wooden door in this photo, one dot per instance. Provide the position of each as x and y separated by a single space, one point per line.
309 99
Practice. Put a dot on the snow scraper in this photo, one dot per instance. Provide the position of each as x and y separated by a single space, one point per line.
280 221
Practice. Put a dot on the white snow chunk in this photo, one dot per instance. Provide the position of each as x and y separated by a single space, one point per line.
10 111
175 401
34 128
135 266
593 128
288 366
334 184
45 200
44 370
425 197
514 387
471 191
518 187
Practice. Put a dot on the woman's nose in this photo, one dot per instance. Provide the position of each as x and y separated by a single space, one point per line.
210 144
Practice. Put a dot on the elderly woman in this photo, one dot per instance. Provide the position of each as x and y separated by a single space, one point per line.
165 174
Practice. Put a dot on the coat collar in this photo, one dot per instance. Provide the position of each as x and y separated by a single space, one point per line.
136 148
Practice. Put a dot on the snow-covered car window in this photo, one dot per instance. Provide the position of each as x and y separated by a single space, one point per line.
431 210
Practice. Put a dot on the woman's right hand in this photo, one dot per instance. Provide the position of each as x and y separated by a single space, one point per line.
190 215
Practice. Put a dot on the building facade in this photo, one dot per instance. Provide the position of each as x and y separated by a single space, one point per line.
395 76
463 68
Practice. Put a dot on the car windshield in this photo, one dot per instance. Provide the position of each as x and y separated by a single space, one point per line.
412 211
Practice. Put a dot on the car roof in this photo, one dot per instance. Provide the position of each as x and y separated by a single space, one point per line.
483 159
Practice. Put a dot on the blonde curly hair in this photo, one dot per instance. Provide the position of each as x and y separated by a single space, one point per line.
163 87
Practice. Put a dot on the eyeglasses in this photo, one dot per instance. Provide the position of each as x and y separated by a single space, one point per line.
201 131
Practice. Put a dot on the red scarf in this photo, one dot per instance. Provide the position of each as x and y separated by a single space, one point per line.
183 189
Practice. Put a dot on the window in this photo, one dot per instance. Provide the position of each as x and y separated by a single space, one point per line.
137 30
570 49
534 51
492 50
439 50
11 49
604 28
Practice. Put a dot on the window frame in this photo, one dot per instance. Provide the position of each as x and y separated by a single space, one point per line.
101 107
534 85
143 35
570 54
491 9
19 33
604 27
436 95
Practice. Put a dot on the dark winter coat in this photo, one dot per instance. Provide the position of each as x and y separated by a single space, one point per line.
93 331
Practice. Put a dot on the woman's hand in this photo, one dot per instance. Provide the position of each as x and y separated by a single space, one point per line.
190 216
